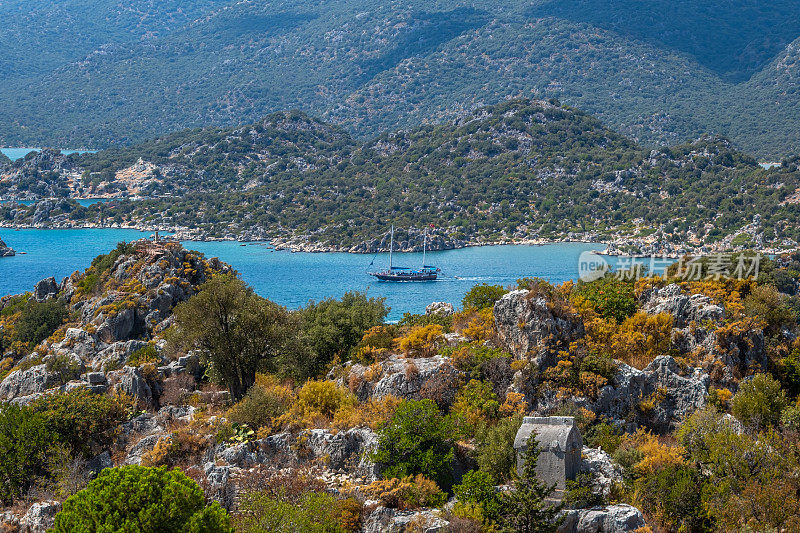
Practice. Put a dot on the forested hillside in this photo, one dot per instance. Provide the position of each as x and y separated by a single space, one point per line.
515 171
657 73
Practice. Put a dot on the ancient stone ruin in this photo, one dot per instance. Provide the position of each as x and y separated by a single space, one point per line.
560 443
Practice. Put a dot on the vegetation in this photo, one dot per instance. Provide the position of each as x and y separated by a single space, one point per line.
25 441
618 60
417 440
474 179
239 332
155 499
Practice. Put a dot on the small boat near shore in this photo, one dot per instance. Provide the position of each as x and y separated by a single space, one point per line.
398 273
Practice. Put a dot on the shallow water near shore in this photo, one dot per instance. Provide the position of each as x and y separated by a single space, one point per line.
292 279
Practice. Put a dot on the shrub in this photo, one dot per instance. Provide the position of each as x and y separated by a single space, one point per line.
672 498
333 327
146 354
417 440
475 404
411 320
182 447
80 416
758 402
476 325
406 493
63 367
422 341
313 512
153 499
495 454
482 296
372 413
102 263
39 320
609 296
477 487
376 340
25 440
266 400
316 404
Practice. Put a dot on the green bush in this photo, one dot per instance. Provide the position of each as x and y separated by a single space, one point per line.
610 296
672 497
477 487
39 320
411 320
758 402
138 498
417 440
314 512
333 327
146 354
25 440
102 263
495 453
482 296
80 417
259 406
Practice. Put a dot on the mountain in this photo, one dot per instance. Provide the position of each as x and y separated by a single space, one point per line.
661 73
519 170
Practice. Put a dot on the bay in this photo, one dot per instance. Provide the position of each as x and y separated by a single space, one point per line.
292 279
18 153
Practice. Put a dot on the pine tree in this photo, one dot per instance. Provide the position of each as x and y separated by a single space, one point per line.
526 509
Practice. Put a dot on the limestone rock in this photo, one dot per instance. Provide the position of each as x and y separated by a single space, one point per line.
672 395
40 517
383 519
45 289
131 381
440 308
98 463
619 518
527 328
35 379
405 378
597 462
684 308
5 251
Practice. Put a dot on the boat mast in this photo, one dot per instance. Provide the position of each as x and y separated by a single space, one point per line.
424 246
391 247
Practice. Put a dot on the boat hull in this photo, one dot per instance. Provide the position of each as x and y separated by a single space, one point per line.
382 276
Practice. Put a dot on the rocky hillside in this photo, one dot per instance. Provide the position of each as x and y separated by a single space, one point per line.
664 377
519 171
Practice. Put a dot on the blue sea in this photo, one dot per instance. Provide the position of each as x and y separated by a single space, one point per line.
292 279
18 153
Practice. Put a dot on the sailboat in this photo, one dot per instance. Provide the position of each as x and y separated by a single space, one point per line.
396 273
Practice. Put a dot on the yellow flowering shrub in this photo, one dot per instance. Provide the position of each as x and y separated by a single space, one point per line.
422 341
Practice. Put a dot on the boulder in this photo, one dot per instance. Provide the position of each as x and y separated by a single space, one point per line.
35 379
684 308
98 463
117 327
658 396
410 379
619 518
140 448
383 519
527 327
440 308
40 517
131 381
605 472
45 289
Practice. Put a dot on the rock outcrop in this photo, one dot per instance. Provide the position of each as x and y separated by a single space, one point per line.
405 378
45 290
5 251
658 397
439 308
619 518
529 329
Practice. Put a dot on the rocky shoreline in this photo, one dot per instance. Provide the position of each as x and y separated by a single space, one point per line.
6 251
623 246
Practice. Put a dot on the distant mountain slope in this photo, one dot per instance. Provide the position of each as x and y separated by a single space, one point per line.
661 72
514 171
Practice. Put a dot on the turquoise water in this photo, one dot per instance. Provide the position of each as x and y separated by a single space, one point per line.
18 153
292 279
